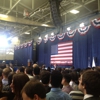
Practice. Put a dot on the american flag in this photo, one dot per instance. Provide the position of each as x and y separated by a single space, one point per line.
62 53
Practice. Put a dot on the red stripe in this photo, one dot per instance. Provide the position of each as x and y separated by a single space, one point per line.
65 44
64 48
67 58
64 55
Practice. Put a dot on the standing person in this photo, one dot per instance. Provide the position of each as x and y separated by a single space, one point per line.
89 84
33 90
56 93
18 82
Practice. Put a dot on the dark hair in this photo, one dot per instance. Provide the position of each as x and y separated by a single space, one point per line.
10 76
74 77
45 77
36 70
19 80
29 70
67 77
91 80
56 78
21 69
0 72
34 87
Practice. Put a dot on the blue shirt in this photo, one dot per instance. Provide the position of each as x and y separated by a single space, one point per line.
57 94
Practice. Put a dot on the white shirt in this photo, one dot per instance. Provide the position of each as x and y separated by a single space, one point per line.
87 96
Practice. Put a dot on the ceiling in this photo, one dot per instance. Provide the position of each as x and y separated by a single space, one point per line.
29 15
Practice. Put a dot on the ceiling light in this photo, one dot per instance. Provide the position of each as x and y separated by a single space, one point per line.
52 33
15 39
46 35
68 29
39 38
82 25
27 33
74 11
44 25
3 16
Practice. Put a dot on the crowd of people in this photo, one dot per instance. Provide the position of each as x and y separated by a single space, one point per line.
40 83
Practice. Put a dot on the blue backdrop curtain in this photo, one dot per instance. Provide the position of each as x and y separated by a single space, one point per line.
85 47
23 53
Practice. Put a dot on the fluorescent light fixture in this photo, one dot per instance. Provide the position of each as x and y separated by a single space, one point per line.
52 33
46 35
10 53
15 40
74 11
68 29
82 25
39 38
27 33
44 25
3 16
3 41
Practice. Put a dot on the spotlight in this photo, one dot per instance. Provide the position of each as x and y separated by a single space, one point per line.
46 35
82 25
39 37
52 33
68 29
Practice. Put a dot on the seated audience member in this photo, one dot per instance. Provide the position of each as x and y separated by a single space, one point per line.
18 82
97 69
10 95
45 79
2 94
36 73
65 82
33 90
28 72
1 73
21 69
89 84
74 80
5 74
56 93
35 65
49 69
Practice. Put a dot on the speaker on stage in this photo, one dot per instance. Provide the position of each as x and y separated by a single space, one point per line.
29 62
55 12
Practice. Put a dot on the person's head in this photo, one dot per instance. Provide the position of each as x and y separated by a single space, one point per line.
89 83
56 78
33 90
45 77
74 77
36 71
21 69
10 76
29 70
35 65
18 82
6 72
66 79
